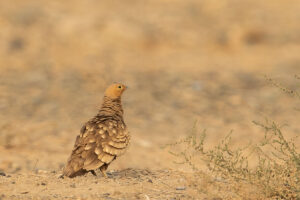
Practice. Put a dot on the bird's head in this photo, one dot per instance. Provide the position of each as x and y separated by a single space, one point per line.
115 90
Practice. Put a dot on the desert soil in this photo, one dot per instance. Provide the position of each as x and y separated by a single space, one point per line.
184 61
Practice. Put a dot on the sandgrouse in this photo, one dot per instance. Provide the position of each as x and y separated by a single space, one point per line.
102 139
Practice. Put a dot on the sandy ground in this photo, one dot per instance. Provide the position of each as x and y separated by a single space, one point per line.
124 184
184 61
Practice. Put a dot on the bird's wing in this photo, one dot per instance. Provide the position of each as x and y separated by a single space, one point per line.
97 144
83 156
117 138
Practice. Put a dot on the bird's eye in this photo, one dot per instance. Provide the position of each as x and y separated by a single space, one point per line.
120 86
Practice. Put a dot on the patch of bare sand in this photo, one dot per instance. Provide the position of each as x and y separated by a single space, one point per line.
124 184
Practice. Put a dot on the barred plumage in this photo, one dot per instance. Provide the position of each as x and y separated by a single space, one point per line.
102 139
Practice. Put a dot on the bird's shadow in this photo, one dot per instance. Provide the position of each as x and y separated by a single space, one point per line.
130 173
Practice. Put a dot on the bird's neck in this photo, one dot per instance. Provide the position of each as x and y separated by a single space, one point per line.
111 107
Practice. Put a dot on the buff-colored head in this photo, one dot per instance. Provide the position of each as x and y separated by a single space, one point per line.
115 90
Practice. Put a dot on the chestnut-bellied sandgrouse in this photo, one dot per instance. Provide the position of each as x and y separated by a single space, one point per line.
102 139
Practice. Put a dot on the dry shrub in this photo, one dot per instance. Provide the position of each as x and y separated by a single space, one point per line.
276 174
283 88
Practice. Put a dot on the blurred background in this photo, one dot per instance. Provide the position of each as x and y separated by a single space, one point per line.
184 61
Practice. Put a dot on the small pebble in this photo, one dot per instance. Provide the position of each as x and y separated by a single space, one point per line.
42 171
60 176
43 184
220 179
2 174
150 181
106 194
24 192
180 188
73 185
109 173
